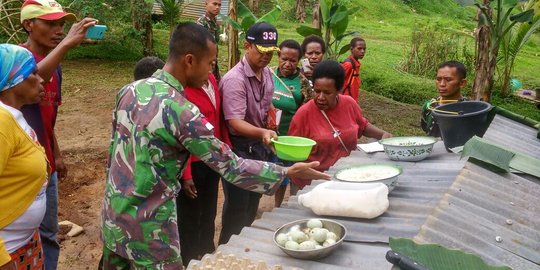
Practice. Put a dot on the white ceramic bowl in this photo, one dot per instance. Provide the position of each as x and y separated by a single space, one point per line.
371 173
314 254
408 148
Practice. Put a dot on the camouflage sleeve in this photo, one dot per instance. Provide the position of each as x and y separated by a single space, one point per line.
306 89
195 133
426 121
202 22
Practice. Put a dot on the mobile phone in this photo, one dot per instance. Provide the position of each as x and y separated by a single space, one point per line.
96 31
305 65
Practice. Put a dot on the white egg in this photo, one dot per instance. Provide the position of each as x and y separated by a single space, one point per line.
291 245
319 235
314 223
281 239
328 242
331 235
318 246
307 245
298 236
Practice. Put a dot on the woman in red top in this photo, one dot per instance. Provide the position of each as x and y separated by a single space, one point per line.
333 120
198 201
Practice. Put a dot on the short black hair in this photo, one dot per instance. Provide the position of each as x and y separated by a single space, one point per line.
331 70
146 67
311 39
356 39
189 37
460 67
292 44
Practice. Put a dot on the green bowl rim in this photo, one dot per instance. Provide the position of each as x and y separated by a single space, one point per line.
400 169
434 139
290 144
306 220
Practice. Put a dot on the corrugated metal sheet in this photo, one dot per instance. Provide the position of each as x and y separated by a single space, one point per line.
420 188
193 9
482 205
466 213
514 135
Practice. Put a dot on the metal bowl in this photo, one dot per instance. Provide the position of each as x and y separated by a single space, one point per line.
314 254
413 148
389 178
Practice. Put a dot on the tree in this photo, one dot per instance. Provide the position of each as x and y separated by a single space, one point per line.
493 26
316 14
333 26
254 5
171 12
239 20
9 21
512 43
234 53
301 10
141 17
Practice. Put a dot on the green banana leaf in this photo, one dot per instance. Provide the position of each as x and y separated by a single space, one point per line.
526 164
499 159
484 151
437 257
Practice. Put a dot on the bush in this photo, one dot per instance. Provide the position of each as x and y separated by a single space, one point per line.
398 86
432 45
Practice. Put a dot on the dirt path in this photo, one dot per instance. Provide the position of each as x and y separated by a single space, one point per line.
83 132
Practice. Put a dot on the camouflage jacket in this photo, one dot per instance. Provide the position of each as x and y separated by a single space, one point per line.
213 27
210 24
154 130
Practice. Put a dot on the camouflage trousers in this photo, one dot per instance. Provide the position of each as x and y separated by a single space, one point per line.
113 261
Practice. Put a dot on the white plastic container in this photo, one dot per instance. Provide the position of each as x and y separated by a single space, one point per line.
333 198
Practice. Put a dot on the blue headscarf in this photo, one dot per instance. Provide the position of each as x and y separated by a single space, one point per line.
16 64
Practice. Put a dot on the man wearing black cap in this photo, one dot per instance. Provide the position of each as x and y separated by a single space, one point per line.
247 91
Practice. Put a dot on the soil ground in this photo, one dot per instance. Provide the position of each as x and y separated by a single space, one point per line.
83 131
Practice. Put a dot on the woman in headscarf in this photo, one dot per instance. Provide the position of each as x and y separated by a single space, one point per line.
23 164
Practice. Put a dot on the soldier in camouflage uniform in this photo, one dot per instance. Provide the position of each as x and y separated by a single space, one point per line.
209 21
154 130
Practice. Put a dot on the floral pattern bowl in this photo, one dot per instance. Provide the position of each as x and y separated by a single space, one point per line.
410 148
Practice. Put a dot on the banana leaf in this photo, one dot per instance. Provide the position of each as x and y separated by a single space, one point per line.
526 164
437 257
499 159
484 151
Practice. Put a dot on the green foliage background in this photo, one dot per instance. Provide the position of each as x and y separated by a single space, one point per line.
385 24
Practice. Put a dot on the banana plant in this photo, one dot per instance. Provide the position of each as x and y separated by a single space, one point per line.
171 12
514 41
493 26
334 24
246 18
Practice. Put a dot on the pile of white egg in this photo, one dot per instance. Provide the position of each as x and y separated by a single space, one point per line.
315 236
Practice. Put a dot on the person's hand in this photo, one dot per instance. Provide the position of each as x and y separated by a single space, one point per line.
189 188
9 266
386 135
77 32
308 72
305 170
268 135
61 168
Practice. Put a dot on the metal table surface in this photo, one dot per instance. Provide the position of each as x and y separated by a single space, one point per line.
420 188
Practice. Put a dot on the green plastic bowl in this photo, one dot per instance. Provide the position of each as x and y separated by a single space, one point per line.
293 148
